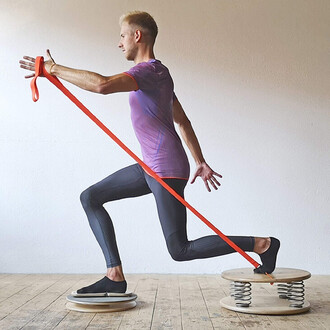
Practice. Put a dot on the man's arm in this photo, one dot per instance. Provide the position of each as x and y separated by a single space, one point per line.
187 132
87 80
95 82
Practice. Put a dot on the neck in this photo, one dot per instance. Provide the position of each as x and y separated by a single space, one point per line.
144 54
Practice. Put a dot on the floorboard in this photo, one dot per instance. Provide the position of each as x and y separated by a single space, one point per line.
187 302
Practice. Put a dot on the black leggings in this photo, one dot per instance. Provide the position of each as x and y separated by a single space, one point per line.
132 181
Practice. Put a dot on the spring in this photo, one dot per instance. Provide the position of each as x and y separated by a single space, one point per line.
241 292
294 292
282 290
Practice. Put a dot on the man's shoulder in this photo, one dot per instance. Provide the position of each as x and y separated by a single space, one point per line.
150 74
151 67
142 67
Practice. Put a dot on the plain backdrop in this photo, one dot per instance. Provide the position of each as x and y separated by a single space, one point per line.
252 76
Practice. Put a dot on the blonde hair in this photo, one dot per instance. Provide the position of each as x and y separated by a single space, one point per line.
142 20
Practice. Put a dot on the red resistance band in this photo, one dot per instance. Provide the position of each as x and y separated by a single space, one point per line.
39 70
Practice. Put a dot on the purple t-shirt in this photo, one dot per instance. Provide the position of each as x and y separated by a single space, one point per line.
152 119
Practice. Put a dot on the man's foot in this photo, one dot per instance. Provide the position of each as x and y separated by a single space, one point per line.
268 258
105 285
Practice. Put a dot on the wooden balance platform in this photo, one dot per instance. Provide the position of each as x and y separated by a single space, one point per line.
93 304
289 300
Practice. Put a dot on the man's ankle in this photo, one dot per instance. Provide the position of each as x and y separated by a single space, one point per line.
115 274
116 278
261 244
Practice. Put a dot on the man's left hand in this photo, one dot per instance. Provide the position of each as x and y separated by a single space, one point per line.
29 64
208 176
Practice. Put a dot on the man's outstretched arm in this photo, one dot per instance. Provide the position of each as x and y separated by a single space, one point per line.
87 80
187 132
95 82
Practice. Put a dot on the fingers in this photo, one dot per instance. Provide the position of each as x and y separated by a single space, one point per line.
27 66
213 184
194 178
208 177
32 59
207 185
50 56
212 181
30 76
215 180
30 65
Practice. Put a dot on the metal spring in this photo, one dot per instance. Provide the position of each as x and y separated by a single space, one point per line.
294 292
241 292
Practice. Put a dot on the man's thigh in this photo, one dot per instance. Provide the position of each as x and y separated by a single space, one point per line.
125 183
171 212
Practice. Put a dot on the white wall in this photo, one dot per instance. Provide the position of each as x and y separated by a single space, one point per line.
253 76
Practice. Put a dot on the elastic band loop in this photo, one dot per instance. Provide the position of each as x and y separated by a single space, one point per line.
39 65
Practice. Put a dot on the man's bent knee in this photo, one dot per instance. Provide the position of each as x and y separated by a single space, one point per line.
177 255
176 248
87 197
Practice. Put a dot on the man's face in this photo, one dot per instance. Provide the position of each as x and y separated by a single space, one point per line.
127 41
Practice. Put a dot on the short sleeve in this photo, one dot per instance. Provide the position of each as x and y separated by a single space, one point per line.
144 75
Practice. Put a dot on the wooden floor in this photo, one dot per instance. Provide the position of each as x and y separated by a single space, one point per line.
32 301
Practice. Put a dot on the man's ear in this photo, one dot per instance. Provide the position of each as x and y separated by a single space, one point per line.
137 35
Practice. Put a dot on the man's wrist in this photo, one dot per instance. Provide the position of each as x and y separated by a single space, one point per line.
51 68
200 162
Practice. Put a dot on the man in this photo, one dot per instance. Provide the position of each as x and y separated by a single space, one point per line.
154 109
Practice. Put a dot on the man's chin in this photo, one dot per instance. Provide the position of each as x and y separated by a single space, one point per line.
129 58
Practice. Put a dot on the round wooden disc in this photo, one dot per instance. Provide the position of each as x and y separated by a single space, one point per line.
104 294
100 300
270 305
116 307
285 275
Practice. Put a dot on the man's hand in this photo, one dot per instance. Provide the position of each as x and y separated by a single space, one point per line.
208 175
30 64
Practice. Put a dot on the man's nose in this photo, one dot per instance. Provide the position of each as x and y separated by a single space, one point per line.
120 44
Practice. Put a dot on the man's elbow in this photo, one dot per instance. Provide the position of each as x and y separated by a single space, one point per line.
184 123
104 86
